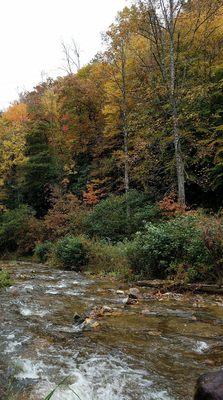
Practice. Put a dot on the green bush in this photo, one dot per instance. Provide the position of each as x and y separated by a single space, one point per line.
212 234
13 225
107 259
71 253
170 246
109 221
5 279
42 251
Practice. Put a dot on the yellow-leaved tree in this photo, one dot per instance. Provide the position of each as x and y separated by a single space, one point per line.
13 131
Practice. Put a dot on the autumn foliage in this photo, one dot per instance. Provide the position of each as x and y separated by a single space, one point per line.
95 152
170 206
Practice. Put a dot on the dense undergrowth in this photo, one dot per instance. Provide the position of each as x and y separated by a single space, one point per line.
154 241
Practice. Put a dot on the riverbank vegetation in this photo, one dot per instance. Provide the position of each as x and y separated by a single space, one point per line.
5 279
117 168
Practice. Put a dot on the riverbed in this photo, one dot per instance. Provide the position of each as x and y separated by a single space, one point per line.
152 350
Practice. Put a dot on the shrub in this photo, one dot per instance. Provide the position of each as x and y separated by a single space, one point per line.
5 279
76 252
109 221
168 246
212 232
42 251
30 233
169 206
14 225
71 253
107 259
64 217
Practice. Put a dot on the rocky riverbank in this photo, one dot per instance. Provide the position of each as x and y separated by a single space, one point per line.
113 341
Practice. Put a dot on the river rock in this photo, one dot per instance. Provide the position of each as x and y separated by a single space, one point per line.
133 297
111 312
78 319
129 301
89 320
120 292
99 312
86 322
134 293
146 312
90 323
106 309
210 386
14 291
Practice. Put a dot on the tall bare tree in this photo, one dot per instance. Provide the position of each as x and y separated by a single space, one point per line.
72 60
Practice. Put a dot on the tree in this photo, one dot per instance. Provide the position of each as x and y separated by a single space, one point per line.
72 61
13 133
81 107
41 172
116 55
161 26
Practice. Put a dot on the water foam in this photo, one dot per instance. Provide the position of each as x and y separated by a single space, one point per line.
201 347
30 369
27 312
100 378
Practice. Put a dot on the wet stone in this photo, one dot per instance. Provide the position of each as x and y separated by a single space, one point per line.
130 301
210 386
134 293
78 319
120 292
146 312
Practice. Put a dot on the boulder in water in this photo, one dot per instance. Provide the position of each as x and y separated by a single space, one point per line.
210 386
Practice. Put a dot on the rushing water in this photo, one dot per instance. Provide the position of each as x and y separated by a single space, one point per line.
129 356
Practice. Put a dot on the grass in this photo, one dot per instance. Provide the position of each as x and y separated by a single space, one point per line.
50 395
10 395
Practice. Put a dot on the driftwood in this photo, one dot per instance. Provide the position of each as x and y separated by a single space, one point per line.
169 285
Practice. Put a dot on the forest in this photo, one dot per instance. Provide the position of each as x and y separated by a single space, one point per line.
116 168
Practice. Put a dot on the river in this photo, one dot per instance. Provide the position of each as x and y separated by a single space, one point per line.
153 355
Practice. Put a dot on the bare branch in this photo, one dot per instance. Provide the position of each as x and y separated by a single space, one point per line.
71 59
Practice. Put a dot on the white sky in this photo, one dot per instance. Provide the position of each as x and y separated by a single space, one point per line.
31 32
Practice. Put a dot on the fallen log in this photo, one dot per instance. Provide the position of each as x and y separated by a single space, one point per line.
170 285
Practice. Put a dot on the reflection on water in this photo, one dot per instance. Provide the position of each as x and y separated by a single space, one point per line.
148 351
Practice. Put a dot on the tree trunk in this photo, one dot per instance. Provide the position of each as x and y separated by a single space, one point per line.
173 100
178 158
125 130
126 151
126 164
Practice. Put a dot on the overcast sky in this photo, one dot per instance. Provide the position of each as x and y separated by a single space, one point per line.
31 32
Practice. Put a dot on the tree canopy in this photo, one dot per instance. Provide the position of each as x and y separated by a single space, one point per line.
152 99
